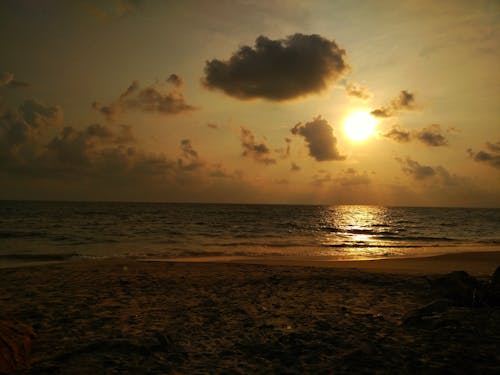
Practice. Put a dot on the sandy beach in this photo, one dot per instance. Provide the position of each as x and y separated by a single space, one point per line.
243 316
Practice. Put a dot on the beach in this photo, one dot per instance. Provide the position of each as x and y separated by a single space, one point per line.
244 316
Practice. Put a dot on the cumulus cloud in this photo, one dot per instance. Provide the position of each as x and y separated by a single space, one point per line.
40 157
490 157
257 151
278 69
432 136
165 98
22 126
80 147
357 91
405 101
320 140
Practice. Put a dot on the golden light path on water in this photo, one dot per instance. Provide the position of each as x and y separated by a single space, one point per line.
357 231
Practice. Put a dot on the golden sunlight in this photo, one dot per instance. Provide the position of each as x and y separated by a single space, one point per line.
360 125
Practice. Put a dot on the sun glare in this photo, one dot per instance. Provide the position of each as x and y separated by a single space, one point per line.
360 125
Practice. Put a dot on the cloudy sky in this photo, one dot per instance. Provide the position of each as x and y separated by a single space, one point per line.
321 102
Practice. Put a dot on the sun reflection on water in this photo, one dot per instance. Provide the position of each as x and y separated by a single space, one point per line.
358 231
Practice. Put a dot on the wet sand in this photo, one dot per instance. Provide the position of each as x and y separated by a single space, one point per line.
233 316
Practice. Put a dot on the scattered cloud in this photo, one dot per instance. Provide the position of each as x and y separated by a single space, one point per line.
351 177
416 170
320 140
432 136
164 98
189 159
285 152
433 174
257 151
108 10
404 102
321 178
278 69
213 126
494 147
398 134
81 147
175 80
7 80
357 91
490 157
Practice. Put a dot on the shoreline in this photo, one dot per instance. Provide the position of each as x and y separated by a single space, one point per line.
478 263
475 263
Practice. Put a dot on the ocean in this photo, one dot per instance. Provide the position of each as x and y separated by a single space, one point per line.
33 231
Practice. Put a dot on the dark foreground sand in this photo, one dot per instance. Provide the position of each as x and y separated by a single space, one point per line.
187 318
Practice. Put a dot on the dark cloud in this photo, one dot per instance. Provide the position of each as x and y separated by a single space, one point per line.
278 69
133 87
175 80
320 140
416 170
432 136
189 159
434 174
357 91
494 147
157 98
383 112
257 151
398 134
80 147
39 157
490 157
108 111
405 101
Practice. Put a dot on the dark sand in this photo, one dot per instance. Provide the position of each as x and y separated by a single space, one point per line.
186 318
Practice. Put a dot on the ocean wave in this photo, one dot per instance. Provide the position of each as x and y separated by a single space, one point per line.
22 234
38 257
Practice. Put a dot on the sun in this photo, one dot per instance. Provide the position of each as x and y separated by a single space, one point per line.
360 125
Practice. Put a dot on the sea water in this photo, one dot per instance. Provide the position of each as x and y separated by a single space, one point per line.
37 231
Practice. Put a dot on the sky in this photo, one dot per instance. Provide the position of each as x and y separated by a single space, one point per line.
245 101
